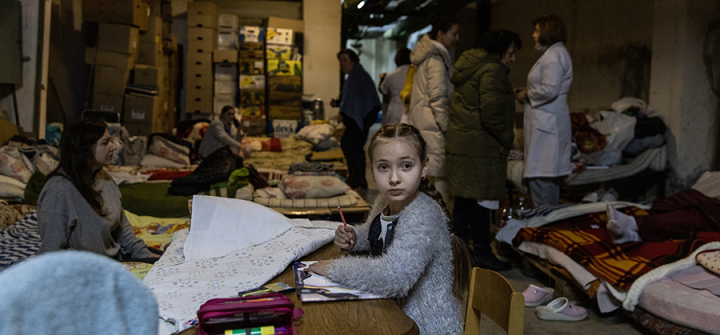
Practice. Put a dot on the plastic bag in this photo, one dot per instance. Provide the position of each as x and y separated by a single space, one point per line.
618 129
632 107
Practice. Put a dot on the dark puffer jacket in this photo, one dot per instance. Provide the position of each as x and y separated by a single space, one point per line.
480 131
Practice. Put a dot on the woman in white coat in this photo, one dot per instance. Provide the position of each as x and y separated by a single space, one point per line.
547 128
431 92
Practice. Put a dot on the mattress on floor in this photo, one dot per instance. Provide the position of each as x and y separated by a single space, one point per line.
682 305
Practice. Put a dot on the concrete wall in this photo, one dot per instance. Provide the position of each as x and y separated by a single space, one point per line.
609 42
26 92
685 70
321 70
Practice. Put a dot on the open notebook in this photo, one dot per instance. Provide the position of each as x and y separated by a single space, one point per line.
312 287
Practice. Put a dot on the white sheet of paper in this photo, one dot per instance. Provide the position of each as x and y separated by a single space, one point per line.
220 226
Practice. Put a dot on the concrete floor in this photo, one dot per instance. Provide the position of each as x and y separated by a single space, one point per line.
614 323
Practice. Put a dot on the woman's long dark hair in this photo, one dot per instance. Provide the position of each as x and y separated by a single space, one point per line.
76 158
461 255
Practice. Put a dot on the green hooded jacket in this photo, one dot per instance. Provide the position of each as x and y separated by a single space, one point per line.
480 131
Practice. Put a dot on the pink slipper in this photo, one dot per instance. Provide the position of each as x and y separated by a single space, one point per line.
536 295
561 309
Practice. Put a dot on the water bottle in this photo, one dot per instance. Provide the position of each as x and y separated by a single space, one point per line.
506 213
520 208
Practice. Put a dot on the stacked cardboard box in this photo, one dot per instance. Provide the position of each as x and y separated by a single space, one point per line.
116 52
252 83
284 98
202 41
225 60
130 52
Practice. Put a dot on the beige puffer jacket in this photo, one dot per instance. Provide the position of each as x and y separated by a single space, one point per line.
430 99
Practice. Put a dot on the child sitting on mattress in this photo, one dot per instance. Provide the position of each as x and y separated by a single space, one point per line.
79 206
415 258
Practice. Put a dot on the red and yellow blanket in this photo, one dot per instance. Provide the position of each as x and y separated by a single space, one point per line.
585 240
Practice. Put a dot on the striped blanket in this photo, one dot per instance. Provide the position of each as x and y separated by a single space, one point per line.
585 240
19 241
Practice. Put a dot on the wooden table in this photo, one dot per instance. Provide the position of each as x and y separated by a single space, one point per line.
380 316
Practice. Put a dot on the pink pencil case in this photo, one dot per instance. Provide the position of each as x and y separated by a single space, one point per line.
218 315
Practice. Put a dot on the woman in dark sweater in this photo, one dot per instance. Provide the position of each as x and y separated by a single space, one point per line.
79 207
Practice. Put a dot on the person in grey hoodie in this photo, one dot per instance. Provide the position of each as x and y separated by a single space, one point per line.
79 207
414 257
431 92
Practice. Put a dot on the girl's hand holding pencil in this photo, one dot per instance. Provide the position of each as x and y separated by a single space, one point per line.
345 236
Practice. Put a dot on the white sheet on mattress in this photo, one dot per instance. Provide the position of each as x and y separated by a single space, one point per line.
654 159
181 287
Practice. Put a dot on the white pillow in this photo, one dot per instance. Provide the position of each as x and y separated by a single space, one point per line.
10 187
158 162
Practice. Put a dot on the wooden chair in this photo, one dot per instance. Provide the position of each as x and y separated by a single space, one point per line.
493 295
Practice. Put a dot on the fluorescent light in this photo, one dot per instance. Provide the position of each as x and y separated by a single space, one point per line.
361 4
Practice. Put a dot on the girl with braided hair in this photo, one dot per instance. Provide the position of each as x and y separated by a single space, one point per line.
414 256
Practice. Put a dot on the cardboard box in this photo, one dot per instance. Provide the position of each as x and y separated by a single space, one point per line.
252 98
297 26
202 40
282 88
277 67
166 11
225 88
155 7
228 22
199 103
252 82
284 128
108 102
226 71
219 102
108 58
252 111
279 36
252 34
285 113
254 126
150 54
202 15
128 12
139 109
110 80
199 63
171 44
225 56
251 50
281 52
154 31
143 22
227 40
251 66
118 38
149 75
138 129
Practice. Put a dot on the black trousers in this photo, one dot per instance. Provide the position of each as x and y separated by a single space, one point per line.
352 144
472 221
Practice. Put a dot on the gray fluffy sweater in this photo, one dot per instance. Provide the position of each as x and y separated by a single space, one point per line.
416 270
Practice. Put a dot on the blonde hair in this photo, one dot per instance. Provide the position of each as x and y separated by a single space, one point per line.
461 256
